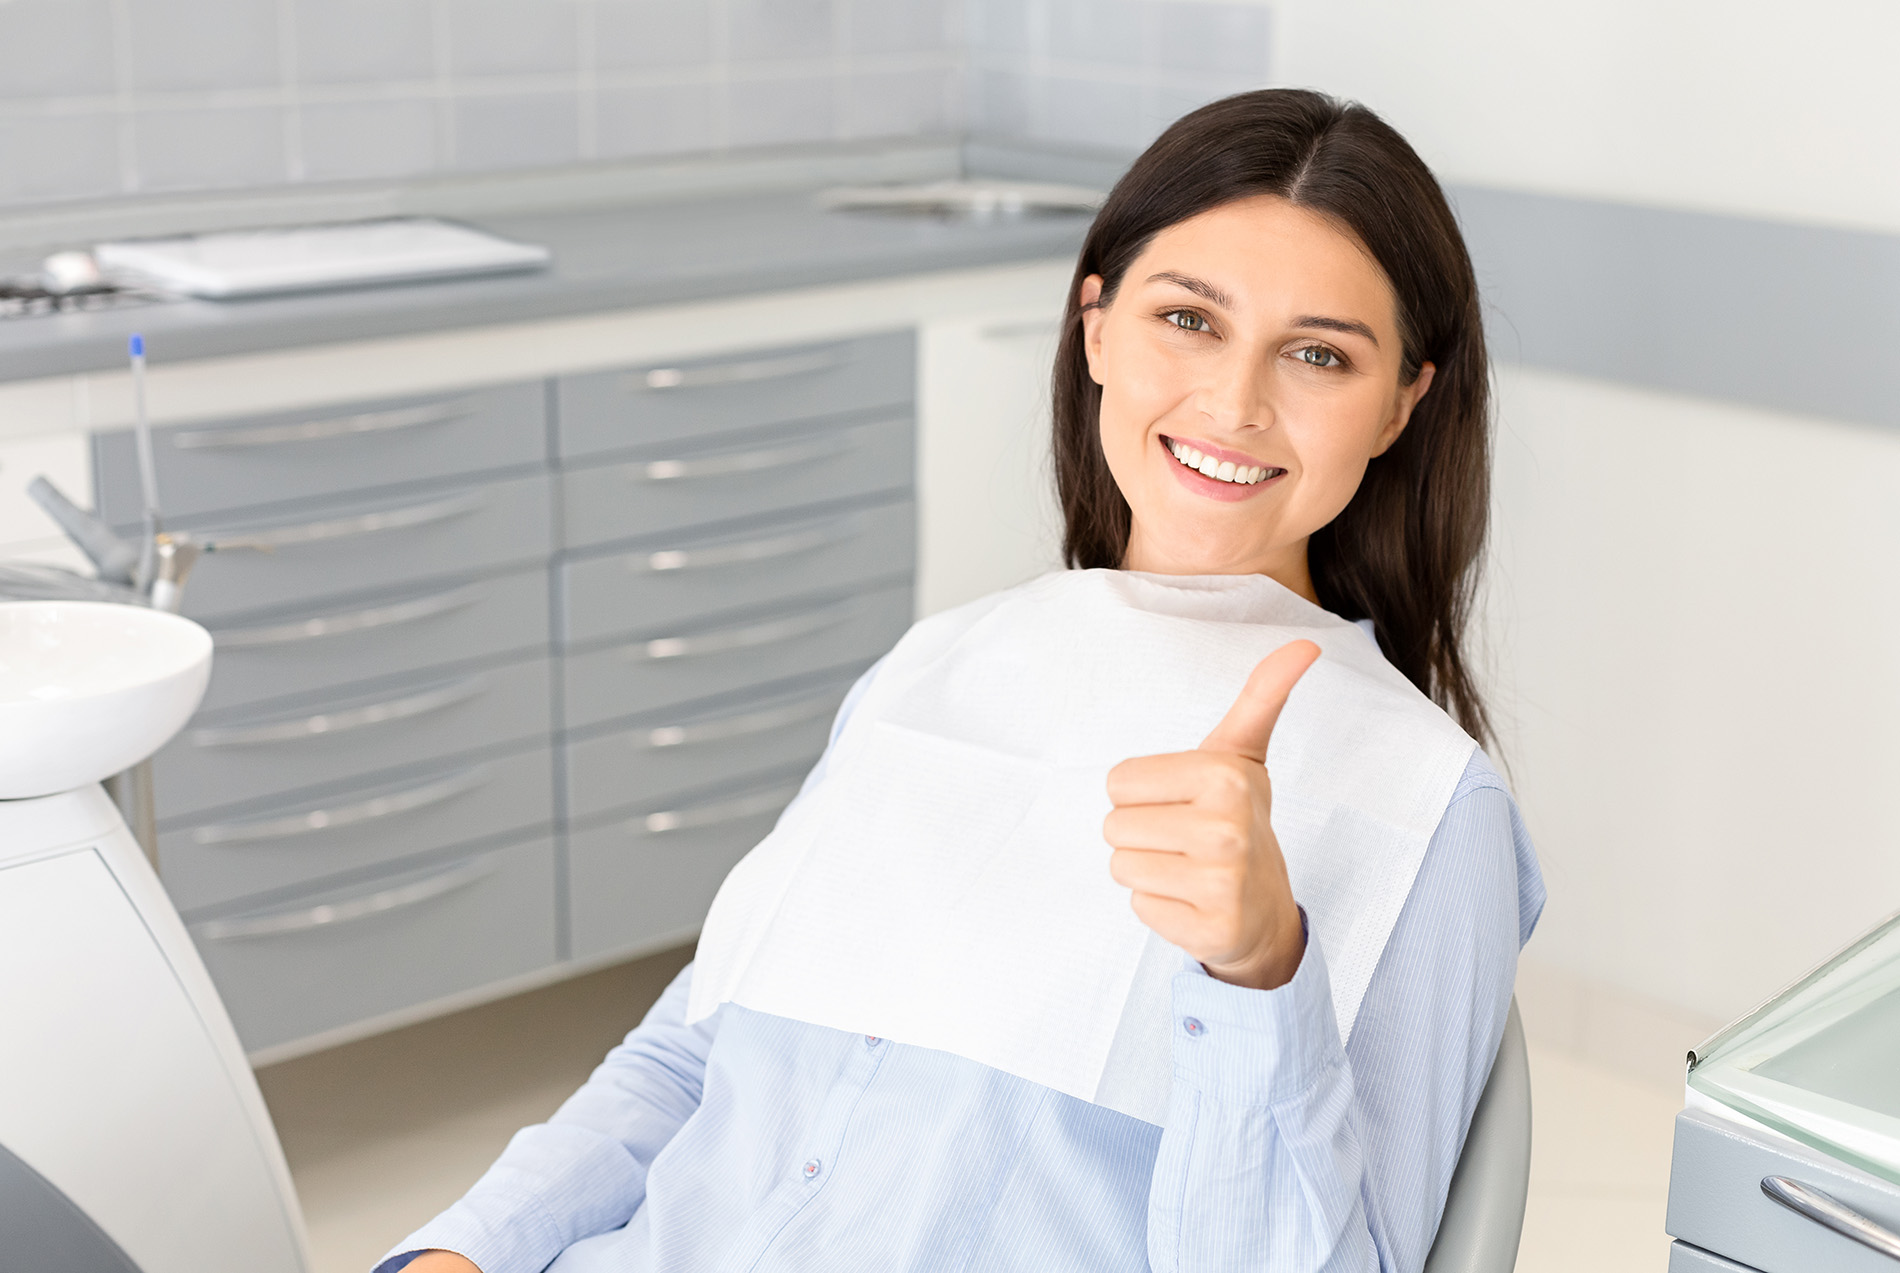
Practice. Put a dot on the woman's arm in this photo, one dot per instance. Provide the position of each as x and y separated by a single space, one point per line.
584 1170
1286 1151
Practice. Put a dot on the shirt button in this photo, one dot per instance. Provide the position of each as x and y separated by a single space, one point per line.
870 1040
1193 1026
811 1168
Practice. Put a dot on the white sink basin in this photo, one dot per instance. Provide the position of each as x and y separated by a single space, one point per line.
88 689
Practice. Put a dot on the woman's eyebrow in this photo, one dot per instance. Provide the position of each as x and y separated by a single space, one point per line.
1351 325
1200 287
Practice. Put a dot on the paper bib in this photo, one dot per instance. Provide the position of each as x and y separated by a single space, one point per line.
945 882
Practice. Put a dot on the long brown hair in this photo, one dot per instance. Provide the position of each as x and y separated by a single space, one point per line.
1404 552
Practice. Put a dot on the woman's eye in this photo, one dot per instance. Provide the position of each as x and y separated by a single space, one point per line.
1317 356
1188 320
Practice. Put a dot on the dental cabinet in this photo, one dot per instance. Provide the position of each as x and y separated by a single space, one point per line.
525 635
1787 1158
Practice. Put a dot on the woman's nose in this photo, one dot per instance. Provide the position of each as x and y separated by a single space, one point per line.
1238 394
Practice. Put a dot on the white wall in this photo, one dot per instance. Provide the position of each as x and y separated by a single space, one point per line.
1696 630
1771 110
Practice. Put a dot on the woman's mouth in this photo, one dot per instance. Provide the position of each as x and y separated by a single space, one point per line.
1227 467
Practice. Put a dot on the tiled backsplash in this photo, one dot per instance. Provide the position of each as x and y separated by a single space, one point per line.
1106 74
114 97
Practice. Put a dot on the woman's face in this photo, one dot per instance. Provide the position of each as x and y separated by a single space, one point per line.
1249 367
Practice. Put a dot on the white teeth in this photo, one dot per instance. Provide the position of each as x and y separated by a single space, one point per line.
1219 470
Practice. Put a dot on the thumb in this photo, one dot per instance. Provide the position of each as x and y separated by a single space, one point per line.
1248 725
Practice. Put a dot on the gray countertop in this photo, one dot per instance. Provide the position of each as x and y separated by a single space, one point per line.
604 259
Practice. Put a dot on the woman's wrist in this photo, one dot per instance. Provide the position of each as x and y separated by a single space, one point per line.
1276 962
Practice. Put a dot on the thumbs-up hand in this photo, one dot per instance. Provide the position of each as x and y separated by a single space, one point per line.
1193 839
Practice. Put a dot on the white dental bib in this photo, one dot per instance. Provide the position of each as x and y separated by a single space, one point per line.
945 882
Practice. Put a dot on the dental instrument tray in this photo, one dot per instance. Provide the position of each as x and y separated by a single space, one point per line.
230 264
1820 1062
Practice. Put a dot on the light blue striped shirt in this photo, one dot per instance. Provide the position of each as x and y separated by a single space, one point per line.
752 1142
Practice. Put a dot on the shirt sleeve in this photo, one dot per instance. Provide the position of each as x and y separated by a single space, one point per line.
1285 1150
584 1171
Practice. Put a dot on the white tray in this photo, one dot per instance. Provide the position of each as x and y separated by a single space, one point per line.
234 263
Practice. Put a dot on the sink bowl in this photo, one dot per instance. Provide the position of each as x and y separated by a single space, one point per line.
88 689
965 200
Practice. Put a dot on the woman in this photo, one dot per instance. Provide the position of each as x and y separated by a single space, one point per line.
1272 376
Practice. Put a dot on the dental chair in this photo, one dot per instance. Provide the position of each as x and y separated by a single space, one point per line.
1484 1211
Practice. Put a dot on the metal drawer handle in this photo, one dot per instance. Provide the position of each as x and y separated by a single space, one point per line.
725 639
1831 1213
767 458
441 510
709 815
391 899
349 621
745 726
348 815
345 720
798 541
742 372
317 430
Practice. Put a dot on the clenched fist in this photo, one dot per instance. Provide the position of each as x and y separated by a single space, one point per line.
1193 839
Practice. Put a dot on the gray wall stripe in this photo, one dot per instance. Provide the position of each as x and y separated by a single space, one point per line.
1796 318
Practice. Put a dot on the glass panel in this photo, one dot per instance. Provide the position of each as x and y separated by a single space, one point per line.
1821 1060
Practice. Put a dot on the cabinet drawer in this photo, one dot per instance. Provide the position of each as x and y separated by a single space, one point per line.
209 861
227 758
312 648
324 451
1684 1258
357 546
613 410
725 655
694 484
1716 1201
647 881
681 578
702 749
339 956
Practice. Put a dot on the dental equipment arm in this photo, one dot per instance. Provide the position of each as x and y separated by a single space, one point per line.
112 555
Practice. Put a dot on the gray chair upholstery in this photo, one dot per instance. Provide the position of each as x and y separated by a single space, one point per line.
1484 1212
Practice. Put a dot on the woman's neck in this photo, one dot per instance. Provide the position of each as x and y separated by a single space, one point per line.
1286 566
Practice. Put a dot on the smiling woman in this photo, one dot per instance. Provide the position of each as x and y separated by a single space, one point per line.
1279 286
1144 916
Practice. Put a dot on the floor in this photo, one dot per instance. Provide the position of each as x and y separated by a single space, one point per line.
383 1133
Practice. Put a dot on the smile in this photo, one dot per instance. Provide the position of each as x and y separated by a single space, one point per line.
1218 469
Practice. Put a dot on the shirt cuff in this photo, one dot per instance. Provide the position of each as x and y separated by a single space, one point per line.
1256 1047
521 1245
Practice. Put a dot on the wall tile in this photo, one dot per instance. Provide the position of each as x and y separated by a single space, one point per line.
899 104
999 103
345 141
364 41
517 130
1222 38
898 26
1010 27
769 112
1096 31
1090 113
643 33
653 120
55 48
781 28
513 37
58 157
203 44
211 149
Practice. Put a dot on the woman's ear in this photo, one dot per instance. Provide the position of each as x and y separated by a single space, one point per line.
1408 397
1093 311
